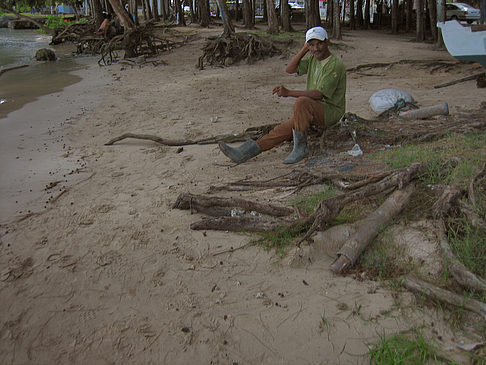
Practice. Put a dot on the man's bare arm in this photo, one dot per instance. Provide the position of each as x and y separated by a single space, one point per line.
284 92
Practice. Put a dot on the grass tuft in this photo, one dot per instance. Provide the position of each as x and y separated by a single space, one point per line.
403 349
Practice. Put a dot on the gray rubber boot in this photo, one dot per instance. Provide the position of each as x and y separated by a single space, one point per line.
300 147
242 153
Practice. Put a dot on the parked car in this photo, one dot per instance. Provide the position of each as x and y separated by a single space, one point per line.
462 12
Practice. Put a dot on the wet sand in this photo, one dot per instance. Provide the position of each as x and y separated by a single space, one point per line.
33 154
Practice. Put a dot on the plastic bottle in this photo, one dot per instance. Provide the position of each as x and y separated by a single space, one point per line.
422 113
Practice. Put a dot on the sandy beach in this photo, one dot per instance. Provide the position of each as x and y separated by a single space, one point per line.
107 272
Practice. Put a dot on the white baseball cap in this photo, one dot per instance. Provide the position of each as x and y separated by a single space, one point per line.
316 33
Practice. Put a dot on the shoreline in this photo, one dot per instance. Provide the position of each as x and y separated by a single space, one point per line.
34 152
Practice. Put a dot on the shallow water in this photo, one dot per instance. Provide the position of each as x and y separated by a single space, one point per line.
21 86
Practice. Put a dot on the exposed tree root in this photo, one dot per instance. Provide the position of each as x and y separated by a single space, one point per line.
436 293
461 274
370 227
227 50
199 203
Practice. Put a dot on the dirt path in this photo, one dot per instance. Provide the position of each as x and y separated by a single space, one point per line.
112 274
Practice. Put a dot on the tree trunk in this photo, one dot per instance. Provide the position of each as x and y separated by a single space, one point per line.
441 17
204 17
367 15
330 14
352 16
98 12
359 13
408 21
272 18
285 15
433 18
248 18
336 29
482 7
314 18
149 10
420 36
155 10
227 25
179 13
370 227
125 21
394 17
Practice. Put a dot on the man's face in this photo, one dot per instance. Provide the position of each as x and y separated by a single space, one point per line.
318 48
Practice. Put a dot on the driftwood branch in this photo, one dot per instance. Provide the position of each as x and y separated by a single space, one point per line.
253 133
463 79
434 292
236 224
370 227
328 209
199 203
462 275
5 69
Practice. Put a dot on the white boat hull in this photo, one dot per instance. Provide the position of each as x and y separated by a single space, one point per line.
463 43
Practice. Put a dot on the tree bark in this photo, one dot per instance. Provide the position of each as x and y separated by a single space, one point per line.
235 224
433 18
336 21
370 227
248 18
419 11
196 202
394 17
352 17
272 18
408 17
204 15
155 10
314 17
228 28
285 16
359 13
125 21
367 24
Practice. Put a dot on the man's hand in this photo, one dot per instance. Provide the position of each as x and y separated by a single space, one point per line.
280 91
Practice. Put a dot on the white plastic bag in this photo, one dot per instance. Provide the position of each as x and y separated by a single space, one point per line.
384 99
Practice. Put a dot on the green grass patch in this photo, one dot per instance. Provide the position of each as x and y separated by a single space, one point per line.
451 160
308 202
280 238
282 36
469 245
404 349
384 260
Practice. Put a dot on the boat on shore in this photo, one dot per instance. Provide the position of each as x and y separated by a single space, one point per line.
465 43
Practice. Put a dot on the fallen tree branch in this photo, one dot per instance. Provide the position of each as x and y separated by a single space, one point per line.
463 79
370 227
199 203
253 133
5 69
460 272
412 283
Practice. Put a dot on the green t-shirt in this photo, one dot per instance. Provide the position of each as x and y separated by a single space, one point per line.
329 77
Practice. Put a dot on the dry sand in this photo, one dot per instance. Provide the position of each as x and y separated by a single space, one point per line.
109 273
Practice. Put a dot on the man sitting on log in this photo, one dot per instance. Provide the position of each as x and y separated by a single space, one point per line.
322 103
